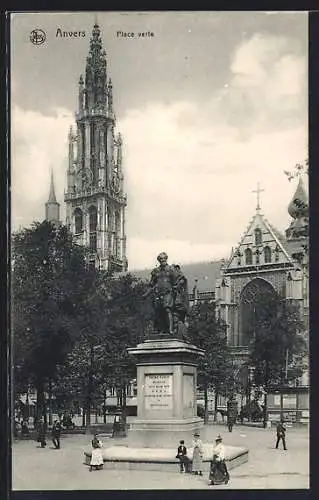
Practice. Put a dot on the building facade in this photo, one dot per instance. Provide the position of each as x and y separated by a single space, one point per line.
95 199
265 263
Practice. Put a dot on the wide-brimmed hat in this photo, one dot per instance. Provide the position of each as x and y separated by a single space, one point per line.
196 434
219 438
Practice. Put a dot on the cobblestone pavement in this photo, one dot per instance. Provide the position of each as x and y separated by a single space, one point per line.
34 468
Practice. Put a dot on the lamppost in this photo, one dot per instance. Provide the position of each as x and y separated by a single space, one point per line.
90 381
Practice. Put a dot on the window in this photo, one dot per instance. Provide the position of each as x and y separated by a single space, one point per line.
92 242
92 219
267 254
258 236
248 257
92 225
257 256
78 220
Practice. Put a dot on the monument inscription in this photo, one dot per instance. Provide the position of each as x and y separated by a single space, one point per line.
158 391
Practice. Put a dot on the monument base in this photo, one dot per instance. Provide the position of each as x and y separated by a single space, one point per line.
162 433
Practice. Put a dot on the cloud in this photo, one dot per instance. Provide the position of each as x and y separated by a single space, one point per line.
191 169
268 84
38 143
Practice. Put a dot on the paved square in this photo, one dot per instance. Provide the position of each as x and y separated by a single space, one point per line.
34 468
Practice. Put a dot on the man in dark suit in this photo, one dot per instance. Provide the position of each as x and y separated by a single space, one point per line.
281 434
183 458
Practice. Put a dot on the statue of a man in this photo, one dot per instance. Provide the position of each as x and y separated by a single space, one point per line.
168 286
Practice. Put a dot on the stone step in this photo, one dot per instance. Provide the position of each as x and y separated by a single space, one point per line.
162 459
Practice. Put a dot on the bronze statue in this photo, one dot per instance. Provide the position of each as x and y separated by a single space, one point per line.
168 287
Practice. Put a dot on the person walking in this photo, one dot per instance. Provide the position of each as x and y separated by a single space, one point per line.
25 431
218 473
281 434
198 452
56 433
97 457
42 429
184 461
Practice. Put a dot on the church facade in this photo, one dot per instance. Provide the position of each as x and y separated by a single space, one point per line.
94 197
265 263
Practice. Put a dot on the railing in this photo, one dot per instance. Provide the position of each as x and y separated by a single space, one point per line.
103 111
83 193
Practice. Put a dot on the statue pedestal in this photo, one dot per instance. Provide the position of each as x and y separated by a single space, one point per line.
166 393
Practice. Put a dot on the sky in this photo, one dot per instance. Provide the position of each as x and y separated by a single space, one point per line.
210 105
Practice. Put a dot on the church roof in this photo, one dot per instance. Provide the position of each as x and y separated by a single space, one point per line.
206 274
268 237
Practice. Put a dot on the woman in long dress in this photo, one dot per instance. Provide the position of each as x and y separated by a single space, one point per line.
197 466
96 457
218 473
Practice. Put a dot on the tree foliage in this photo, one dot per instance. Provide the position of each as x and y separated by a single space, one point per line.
45 296
278 333
215 370
127 320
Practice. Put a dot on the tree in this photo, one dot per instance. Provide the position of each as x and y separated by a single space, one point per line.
278 332
47 285
215 368
127 321
80 378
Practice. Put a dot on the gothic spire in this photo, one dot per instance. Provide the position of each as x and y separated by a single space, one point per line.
52 197
95 72
52 207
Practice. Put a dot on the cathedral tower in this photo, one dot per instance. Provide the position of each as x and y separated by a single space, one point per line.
95 199
52 207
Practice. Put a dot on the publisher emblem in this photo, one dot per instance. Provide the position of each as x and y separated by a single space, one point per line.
37 37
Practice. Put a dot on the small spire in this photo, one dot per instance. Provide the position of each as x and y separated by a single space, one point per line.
52 197
298 207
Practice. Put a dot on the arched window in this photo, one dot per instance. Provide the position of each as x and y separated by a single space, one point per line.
257 304
258 236
267 254
78 220
248 257
92 226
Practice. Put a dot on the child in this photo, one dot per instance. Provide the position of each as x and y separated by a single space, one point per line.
97 457
183 458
